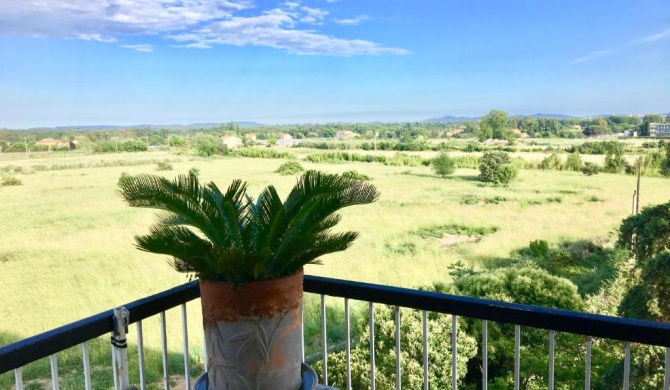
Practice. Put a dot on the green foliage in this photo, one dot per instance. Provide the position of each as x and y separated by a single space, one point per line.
411 339
262 153
11 181
495 125
539 248
647 233
194 171
588 264
443 165
230 237
528 286
206 145
665 164
552 162
356 175
614 161
290 168
163 166
440 231
507 173
489 165
124 178
590 169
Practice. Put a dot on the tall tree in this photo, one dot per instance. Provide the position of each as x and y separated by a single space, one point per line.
495 125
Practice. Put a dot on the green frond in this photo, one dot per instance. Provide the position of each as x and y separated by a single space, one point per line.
229 236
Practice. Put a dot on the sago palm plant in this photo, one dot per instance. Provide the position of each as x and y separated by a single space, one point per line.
229 236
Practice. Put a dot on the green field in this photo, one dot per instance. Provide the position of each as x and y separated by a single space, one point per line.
66 238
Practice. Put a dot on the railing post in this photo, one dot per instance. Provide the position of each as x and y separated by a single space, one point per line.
120 348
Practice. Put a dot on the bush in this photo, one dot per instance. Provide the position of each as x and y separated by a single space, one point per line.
11 181
539 248
443 165
164 166
590 168
356 176
490 163
507 173
552 162
574 161
289 168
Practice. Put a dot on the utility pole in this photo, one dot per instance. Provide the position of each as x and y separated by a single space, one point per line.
637 191
117 145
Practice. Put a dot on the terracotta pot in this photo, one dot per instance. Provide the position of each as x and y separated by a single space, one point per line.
253 333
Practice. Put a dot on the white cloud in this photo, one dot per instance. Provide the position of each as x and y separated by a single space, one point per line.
275 29
353 21
652 38
592 56
96 37
196 24
291 4
143 48
601 53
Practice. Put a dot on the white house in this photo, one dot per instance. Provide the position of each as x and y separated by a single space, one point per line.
231 141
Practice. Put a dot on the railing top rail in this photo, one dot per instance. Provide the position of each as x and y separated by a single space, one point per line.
623 329
33 348
42 345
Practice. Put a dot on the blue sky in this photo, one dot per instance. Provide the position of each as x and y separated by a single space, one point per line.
77 62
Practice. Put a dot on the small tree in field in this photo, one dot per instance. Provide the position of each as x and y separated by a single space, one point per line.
507 173
590 169
443 165
490 163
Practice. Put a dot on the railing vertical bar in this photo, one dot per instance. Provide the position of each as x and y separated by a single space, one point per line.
324 340
398 378
552 340
205 355
587 374
626 368
87 365
53 360
347 331
184 328
140 354
517 356
666 380
166 377
18 378
454 347
372 346
425 350
485 354
302 329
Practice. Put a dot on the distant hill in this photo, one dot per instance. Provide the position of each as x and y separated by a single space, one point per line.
449 118
143 126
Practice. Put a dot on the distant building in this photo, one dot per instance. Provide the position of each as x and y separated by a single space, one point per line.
345 134
630 133
250 136
50 143
230 141
659 130
455 131
284 136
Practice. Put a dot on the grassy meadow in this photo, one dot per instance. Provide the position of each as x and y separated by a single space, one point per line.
66 238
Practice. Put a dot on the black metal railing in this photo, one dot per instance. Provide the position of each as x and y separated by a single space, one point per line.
48 344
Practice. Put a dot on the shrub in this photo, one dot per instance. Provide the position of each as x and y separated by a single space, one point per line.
539 248
590 168
574 161
289 168
490 163
11 181
443 165
552 162
507 173
163 166
356 175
